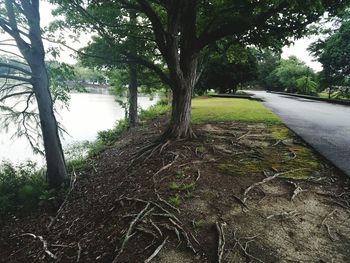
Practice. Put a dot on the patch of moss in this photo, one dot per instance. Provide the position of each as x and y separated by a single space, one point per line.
280 132
302 163
242 168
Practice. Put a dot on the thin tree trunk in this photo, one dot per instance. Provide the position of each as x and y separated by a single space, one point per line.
133 77
132 95
56 169
35 56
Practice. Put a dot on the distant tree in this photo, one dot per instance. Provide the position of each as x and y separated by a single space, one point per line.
226 67
306 85
267 62
334 55
28 80
288 71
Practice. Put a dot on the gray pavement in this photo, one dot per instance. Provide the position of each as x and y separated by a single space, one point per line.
325 126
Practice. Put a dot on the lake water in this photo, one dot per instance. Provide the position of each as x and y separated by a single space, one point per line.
88 114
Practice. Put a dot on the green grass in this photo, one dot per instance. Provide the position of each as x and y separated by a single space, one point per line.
154 111
228 109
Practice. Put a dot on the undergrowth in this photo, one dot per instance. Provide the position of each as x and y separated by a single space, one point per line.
24 186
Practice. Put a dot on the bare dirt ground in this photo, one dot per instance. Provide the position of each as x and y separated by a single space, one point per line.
238 193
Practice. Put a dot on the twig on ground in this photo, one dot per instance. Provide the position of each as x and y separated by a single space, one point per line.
297 190
245 247
268 179
241 137
221 242
240 201
166 166
284 214
185 235
327 226
198 175
79 252
130 233
72 185
156 228
44 242
168 204
155 253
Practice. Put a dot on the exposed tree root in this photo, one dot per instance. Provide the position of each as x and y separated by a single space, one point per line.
327 226
154 210
244 248
130 233
72 185
268 179
221 242
155 253
44 242
297 190
284 214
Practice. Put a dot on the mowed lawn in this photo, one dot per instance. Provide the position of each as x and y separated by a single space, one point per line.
230 109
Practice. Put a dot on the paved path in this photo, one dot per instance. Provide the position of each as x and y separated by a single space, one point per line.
323 125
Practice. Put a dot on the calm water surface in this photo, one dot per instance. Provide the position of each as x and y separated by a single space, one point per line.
88 114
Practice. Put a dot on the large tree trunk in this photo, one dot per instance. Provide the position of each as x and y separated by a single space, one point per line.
56 169
184 82
132 95
180 122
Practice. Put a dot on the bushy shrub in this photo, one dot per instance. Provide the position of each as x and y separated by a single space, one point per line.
154 111
305 85
21 186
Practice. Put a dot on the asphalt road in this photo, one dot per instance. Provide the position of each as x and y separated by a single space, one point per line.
325 126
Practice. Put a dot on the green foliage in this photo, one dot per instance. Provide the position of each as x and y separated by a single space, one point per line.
226 109
174 186
268 62
106 138
225 67
175 200
334 55
113 134
290 75
154 111
22 187
305 85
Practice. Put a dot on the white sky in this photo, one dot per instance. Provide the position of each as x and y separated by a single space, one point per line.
298 49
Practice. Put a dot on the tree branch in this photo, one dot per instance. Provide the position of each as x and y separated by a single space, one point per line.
4 76
6 65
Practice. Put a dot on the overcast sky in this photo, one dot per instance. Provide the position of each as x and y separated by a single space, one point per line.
298 49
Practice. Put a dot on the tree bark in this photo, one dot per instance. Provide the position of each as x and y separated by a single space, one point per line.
56 168
133 76
180 122
132 95
34 54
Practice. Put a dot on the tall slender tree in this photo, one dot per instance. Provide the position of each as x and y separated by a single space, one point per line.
20 19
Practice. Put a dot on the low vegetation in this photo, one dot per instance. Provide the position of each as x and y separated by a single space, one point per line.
222 109
23 187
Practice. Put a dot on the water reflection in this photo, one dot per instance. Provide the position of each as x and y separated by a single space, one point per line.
88 114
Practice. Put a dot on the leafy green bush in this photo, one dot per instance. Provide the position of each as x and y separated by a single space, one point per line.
111 135
21 186
154 111
305 85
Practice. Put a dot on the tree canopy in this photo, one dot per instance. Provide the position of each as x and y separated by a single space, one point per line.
177 31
